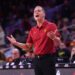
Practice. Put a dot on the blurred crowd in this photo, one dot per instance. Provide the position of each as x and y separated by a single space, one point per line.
16 18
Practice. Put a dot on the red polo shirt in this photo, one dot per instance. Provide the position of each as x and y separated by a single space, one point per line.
41 42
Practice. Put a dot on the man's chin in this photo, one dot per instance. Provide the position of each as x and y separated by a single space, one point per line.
37 19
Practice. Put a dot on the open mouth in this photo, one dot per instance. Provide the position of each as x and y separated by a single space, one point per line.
37 15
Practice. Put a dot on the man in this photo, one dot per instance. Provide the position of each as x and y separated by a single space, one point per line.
44 38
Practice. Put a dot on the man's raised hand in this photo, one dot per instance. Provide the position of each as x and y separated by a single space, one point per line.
11 39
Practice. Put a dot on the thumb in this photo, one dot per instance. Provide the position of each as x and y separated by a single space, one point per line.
12 36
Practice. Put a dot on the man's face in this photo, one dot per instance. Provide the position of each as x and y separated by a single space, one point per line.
39 13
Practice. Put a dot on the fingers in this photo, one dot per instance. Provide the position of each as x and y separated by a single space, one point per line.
55 31
11 39
11 36
51 34
7 37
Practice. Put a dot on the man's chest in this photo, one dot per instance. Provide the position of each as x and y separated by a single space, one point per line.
40 34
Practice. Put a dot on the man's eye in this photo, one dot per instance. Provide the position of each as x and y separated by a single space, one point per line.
39 10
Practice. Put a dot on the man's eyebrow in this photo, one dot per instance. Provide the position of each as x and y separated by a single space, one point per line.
37 9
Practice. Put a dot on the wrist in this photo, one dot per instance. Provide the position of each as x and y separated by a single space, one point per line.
54 38
15 43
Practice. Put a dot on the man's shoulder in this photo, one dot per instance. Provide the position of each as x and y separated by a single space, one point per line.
33 29
51 23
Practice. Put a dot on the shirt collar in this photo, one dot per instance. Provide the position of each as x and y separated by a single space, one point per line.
43 25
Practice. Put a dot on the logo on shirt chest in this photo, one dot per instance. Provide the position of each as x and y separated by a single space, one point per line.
45 30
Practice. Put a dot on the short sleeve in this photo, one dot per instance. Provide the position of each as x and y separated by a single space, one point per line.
29 39
55 29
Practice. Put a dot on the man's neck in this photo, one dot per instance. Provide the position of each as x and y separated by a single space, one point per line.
40 22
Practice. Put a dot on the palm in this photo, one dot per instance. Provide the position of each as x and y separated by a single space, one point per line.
51 34
11 39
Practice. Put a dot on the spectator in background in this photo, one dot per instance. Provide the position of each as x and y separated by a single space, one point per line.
25 23
66 9
32 21
11 55
72 43
72 57
20 36
73 29
26 26
58 19
2 36
63 54
51 12
73 35
8 53
73 14
65 24
73 24
16 56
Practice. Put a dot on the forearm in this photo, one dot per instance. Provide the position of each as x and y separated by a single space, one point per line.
23 46
57 41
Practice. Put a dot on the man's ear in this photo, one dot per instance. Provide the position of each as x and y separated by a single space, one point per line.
43 15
